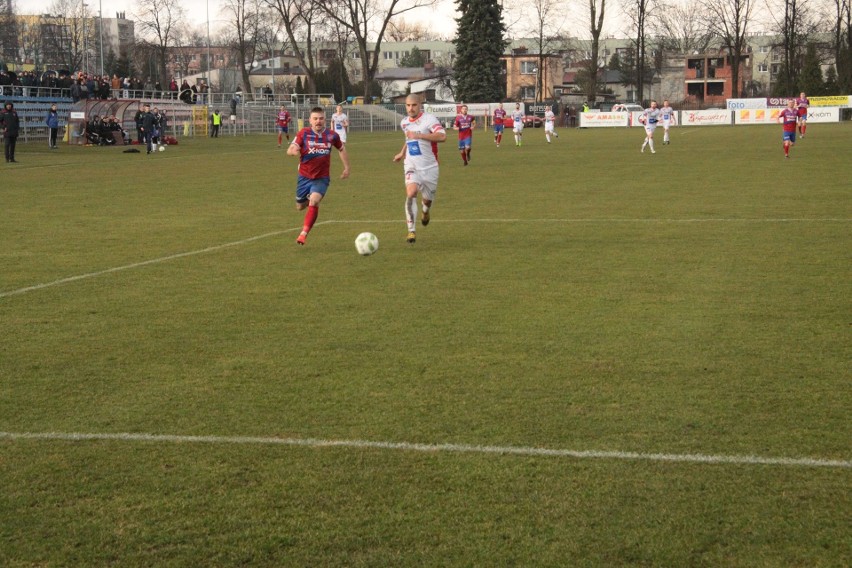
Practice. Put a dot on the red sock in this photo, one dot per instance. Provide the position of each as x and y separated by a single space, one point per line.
310 218
786 149
279 139
468 153
804 127
464 156
499 138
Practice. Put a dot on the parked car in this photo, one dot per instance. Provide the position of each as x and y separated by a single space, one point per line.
627 107
530 121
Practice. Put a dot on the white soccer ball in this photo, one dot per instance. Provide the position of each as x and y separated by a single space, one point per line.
162 148
366 244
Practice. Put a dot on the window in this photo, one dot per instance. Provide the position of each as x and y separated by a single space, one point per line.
527 92
387 54
762 67
528 68
764 49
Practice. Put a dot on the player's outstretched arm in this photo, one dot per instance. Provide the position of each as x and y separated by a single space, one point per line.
401 154
344 157
293 149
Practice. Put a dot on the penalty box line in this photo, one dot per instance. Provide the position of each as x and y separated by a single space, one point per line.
744 460
386 221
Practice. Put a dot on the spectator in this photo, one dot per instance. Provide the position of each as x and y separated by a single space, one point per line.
11 125
52 122
173 89
202 89
137 119
115 84
125 88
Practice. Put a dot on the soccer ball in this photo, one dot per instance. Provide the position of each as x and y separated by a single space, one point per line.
162 148
366 244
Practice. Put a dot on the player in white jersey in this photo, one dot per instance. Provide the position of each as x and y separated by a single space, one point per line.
422 132
340 123
518 124
650 118
549 124
668 118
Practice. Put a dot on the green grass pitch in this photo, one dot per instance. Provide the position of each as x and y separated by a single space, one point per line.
674 327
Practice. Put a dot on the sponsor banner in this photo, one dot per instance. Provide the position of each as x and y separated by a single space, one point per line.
757 116
737 104
770 116
779 101
823 114
600 119
837 101
77 115
705 117
442 110
479 109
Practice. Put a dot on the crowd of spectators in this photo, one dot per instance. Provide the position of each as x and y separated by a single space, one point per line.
80 86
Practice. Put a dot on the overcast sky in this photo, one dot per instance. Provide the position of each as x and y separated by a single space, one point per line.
443 15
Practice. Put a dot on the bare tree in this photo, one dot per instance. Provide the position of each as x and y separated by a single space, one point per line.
157 22
841 32
796 24
638 13
9 34
682 27
730 21
300 20
66 34
243 24
400 29
544 20
588 75
366 19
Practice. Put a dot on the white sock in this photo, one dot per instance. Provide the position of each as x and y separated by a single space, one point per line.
410 212
425 208
651 143
645 143
547 136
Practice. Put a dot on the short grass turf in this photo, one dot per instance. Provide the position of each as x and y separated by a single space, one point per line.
572 296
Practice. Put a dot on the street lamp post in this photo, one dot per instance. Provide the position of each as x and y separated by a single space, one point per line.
85 40
101 30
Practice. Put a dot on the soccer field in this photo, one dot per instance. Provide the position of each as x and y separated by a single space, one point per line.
590 357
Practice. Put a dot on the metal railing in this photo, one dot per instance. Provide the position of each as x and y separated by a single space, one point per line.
188 120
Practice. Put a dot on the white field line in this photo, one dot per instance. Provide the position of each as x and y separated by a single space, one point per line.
430 448
215 248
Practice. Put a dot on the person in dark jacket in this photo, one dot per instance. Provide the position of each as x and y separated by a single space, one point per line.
11 127
137 119
148 125
53 124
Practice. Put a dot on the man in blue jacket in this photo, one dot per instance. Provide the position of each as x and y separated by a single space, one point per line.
52 123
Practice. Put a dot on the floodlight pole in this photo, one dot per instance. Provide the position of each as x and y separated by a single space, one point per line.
101 30
85 40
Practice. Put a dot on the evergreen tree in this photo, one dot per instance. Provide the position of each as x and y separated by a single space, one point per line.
810 79
479 45
299 89
831 86
414 58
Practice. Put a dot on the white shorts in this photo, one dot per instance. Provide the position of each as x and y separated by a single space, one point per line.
667 124
426 180
342 134
548 127
650 128
518 127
